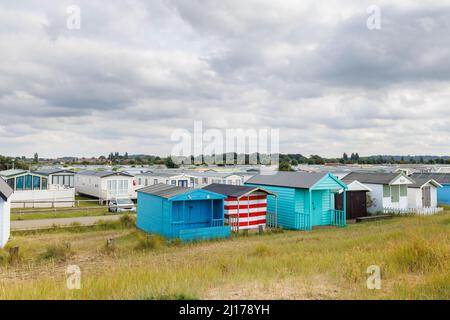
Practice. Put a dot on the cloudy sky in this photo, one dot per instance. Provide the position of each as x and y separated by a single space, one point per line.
136 71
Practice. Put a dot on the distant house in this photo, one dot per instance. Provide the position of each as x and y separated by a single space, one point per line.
304 200
35 189
245 206
356 199
423 195
443 194
105 185
206 178
5 212
184 213
389 190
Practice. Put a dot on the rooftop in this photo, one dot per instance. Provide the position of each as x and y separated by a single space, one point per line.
164 190
303 180
371 177
103 174
233 191
12 172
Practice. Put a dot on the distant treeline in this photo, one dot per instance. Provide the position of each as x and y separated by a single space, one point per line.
286 160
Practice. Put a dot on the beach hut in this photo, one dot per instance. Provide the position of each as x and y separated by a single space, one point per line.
356 199
176 212
245 206
389 190
305 199
5 212
422 195
443 193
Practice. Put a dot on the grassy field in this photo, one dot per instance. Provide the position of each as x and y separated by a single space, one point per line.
412 252
85 207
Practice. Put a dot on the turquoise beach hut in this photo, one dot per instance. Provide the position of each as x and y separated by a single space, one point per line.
187 214
305 200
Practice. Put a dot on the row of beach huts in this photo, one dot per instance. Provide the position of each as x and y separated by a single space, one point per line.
206 205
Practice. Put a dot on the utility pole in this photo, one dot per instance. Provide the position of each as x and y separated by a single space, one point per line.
13 163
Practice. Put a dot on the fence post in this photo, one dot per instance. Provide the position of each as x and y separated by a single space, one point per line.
14 255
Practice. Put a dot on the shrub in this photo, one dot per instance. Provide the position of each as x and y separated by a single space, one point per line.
127 221
57 252
149 241
4 257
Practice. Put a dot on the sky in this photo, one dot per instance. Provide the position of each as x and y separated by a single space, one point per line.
135 72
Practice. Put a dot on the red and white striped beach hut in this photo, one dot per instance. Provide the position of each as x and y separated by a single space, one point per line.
245 207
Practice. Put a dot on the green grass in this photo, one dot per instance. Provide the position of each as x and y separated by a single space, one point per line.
412 252
59 213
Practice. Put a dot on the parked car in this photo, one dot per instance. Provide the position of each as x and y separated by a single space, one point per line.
121 205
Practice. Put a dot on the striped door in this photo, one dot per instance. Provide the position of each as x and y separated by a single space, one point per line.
252 211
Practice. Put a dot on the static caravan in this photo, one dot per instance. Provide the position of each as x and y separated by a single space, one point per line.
35 190
171 178
356 199
443 193
210 177
58 177
5 212
304 199
187 214
245 207
389 190
105 185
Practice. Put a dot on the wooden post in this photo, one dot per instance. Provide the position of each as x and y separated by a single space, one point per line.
110 246
14 255
261 229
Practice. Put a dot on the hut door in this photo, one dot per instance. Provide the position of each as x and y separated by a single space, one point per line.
316 211
426 197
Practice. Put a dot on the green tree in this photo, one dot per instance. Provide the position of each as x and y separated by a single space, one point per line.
36 158
170 164
284 166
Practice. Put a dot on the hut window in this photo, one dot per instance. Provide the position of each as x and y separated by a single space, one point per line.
403 190
386 191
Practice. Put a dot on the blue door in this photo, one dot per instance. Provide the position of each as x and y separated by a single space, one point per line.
316 211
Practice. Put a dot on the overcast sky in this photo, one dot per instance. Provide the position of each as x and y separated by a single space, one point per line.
138 70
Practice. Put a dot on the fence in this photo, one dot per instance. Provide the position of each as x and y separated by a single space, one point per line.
412 211
338 218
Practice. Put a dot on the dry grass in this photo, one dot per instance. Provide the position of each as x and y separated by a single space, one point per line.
413 254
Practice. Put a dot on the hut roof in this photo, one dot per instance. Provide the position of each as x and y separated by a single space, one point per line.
303 180
164 190
234 191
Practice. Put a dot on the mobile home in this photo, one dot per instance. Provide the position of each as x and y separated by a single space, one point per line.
34 189
305 200
105 185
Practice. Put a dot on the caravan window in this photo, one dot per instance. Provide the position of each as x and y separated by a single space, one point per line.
36 183
19 183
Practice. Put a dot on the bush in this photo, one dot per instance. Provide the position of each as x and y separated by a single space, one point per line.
57 252
128 221
149 241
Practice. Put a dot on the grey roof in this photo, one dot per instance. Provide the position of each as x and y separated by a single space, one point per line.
5 190
12 172
103 174
164 190
48 172
442 178
233 191
371 177
420 181
303 180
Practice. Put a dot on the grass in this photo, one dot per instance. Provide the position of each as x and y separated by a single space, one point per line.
60 213
412 252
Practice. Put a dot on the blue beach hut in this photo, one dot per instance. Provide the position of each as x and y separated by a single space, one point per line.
175 212
304 200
